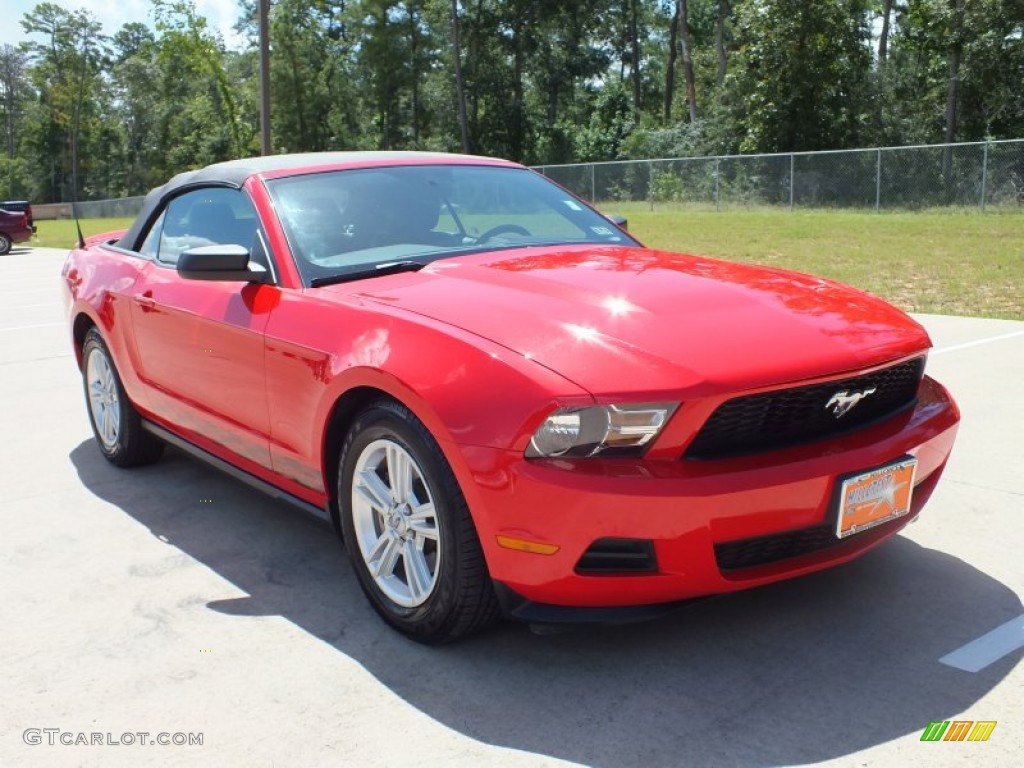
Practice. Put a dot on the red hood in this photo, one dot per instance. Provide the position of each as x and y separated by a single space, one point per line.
617 320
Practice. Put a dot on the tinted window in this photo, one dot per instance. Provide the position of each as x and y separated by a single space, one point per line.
214 216
353 220
151 246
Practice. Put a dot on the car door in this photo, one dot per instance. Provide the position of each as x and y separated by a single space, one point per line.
201 343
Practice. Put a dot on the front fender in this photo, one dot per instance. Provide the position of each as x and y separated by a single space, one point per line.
97 285
466 390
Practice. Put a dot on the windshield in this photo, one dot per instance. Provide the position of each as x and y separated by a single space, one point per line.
356 222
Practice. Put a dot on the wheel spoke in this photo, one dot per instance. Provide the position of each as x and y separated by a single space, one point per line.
378 548
423 523
400 473
417 573
373 491
385 566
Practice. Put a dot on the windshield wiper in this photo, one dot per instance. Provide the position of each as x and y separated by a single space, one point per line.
387 268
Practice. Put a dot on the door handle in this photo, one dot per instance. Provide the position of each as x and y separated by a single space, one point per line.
146 301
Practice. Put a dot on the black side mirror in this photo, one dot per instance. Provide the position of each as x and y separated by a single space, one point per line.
620 221
228 262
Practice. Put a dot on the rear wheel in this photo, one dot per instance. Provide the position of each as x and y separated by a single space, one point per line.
116 424
408 529
5 244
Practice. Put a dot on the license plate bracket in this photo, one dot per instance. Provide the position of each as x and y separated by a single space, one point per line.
872 498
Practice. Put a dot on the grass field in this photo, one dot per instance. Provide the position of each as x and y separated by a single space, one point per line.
62 234
945 262
941 262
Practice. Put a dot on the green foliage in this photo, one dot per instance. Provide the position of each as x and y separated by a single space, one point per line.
804 76
67 77
991 35
15 179
545 82
683 140
197 119
609 128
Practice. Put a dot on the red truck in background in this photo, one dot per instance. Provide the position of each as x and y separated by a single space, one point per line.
16 225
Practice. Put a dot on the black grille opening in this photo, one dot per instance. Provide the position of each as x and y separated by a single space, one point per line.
763 550
781 418
607 557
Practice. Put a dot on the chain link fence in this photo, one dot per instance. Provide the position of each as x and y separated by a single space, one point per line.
124 207
976 175
127 207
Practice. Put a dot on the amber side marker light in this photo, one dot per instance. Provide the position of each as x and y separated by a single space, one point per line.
524 545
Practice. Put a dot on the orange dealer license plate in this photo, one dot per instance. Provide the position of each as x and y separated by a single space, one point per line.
875 497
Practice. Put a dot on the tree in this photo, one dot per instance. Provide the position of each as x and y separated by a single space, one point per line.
956 52
670 67
66 71
394 54
133 71
804 74
540 82
702 31
313 96
198 120
13 88
635 76
953 72
460 82
721 33
684 40
883 36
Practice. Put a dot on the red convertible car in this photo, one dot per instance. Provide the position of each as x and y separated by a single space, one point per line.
506 404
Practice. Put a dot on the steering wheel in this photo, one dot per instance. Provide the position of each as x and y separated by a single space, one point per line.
501 229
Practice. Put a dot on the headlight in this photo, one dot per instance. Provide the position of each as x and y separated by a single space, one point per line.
608 430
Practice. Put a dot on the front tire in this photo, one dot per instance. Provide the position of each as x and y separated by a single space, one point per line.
408 530
116 424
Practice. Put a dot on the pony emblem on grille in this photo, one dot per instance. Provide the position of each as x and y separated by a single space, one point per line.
842 402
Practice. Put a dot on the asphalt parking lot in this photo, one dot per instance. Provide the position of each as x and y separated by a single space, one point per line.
175 600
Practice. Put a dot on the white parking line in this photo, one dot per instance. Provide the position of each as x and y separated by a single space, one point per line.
977 342
988 648
31 306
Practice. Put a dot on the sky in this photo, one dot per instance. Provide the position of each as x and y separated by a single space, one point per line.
112 14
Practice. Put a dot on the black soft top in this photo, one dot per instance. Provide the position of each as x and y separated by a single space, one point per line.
233 173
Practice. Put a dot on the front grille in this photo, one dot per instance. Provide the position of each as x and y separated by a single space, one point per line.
748 553
771 420
610 557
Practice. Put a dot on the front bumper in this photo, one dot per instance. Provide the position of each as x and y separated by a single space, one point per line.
686 508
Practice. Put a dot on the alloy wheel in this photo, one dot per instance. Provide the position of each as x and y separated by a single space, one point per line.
104 403
395 523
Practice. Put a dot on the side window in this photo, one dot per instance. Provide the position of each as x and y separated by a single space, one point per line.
214 216
151 245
